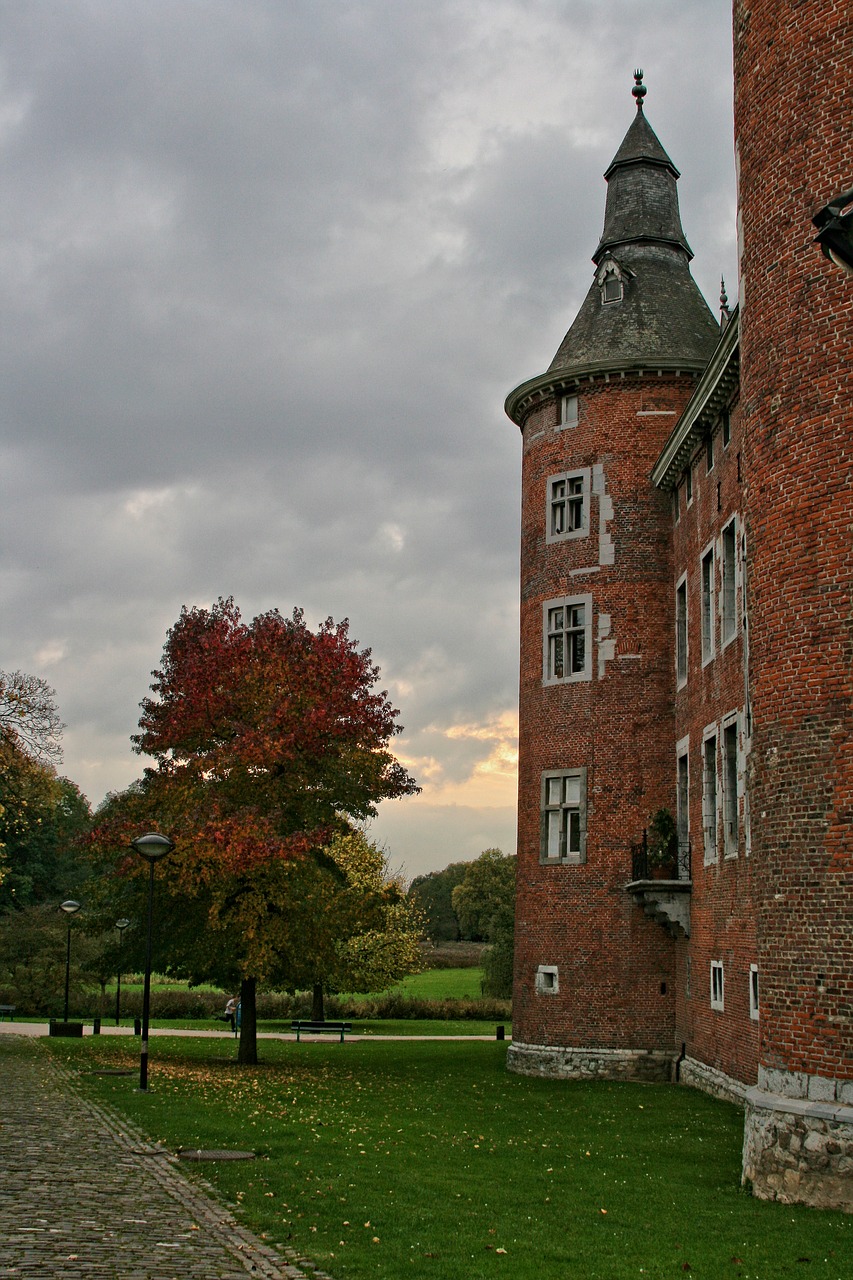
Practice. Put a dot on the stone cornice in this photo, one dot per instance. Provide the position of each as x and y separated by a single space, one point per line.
712 394
571 378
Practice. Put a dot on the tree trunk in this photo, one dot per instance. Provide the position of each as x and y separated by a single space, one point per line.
317 1014
247 1053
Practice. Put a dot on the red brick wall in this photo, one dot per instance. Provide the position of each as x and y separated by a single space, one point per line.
616 967
793 64
722 921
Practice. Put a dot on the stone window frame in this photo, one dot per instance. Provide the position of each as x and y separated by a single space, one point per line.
718 986
682 790
582 531
568 406
754 994
567 602
572 858
710 795
729 581
707 602
547 980
682 632
730 777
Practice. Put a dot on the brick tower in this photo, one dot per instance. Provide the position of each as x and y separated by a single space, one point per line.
795 154
594 981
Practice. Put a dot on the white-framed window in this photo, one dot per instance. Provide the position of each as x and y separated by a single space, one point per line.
718 986
568 412
706 581
728 601
682 792
567 515
681 651
730 764
709 794
753 992
547 980
611 290
567 640
563 816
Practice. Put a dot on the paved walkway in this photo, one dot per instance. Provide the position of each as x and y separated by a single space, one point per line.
83 1193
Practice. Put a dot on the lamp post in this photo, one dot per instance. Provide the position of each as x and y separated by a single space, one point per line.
152 847
70 908
121 925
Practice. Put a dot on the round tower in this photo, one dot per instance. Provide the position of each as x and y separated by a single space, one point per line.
594 989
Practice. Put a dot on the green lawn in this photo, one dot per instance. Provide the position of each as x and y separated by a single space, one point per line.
427 1159
432 984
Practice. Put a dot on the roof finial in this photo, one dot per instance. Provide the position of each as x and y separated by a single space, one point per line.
725 313
639 90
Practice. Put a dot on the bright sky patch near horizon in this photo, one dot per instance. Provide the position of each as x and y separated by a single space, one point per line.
269 272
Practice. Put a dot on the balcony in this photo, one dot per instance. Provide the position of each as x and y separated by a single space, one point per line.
661 884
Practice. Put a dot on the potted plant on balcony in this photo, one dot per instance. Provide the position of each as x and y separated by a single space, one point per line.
662 846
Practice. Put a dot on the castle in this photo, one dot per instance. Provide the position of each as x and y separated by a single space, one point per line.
685 825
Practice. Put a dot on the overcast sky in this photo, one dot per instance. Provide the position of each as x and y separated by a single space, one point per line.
269 270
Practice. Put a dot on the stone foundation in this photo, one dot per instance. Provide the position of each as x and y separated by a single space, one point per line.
698 1075
798 1140
560 1063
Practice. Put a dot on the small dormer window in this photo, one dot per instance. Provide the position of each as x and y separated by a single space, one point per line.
612 289
611 280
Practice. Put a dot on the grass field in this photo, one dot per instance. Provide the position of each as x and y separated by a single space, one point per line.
427 1159
432 984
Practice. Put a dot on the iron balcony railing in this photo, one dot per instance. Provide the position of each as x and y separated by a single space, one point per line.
673 864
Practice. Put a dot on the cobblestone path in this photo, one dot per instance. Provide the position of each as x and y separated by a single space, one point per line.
83 1193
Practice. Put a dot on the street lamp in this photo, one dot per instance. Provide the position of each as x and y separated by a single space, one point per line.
121 925
152 847
70 908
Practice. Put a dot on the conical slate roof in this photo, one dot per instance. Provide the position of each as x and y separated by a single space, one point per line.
661 315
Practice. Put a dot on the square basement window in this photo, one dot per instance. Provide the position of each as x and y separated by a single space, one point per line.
547 980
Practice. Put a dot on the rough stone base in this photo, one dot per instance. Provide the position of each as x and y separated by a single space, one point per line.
710 1080
799 1150
560 1063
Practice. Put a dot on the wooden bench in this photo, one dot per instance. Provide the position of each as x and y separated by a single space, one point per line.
320 1028
7 1011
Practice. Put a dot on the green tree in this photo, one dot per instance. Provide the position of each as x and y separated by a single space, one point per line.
43 819
485 905
433 893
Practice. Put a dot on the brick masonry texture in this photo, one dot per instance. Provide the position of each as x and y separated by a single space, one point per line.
771 893
83 1193
792 117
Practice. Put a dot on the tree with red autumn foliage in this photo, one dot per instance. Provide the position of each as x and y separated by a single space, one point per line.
266 737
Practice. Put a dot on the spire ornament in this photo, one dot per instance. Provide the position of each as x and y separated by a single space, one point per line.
725 312
639 90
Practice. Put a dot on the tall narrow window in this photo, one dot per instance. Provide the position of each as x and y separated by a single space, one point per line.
568 505
681 631
718 990
566 650
568 411
682 798
688 484
709 452
707 579
709 797
563 836
753 992
727 429
730 805
728 622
